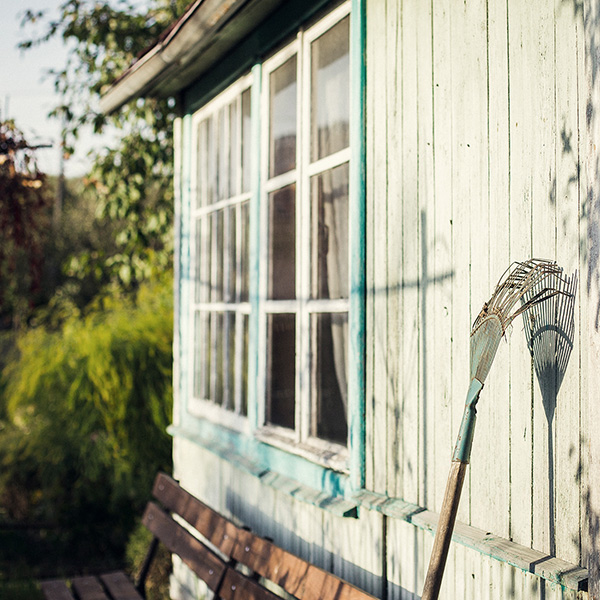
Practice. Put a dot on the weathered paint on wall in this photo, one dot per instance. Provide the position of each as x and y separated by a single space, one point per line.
474 125
479 151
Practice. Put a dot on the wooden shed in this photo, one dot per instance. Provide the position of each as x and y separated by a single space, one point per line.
352 179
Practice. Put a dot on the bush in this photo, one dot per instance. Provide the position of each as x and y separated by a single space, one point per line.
86 407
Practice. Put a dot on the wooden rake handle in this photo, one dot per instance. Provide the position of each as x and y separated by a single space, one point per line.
443 533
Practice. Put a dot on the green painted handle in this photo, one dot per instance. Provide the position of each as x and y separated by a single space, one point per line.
464 441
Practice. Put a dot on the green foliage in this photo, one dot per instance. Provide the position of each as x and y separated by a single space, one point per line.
157 581
132 182
24 219
86 410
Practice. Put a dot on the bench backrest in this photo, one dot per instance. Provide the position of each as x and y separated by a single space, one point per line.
238 546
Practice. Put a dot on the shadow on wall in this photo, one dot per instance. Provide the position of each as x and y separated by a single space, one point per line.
550 327
265 524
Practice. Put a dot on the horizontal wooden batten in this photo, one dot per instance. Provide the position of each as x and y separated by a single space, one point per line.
532 561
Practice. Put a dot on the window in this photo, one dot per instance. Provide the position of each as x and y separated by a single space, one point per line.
220 214
304 243
300 252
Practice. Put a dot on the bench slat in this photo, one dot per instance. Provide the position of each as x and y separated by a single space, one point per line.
119 586
205 563
295 575
88 588
56 589
237 586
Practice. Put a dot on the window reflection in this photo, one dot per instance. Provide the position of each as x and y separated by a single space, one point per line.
282 154
329 231
330 112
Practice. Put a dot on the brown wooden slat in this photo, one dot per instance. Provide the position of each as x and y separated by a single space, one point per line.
203 562
237 586
218 530
56 590
295 575
88 588
119 586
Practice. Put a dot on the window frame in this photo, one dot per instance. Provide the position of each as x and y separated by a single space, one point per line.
201 407
244 443
299 439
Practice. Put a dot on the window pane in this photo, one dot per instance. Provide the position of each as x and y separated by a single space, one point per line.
223 154
202 355
229 360
234 149
329 233
329 375
282 129
201 165
244 373
211 162
245 253
217 257
231 254
218 353
282 243
330 80
281 370
246 142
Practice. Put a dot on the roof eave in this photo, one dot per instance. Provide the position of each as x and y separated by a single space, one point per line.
193 33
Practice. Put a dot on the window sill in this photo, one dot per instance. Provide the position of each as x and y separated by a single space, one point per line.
313 483
328 455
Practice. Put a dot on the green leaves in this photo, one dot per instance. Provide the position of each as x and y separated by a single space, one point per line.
88 404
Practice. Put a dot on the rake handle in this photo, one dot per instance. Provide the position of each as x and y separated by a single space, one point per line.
443 533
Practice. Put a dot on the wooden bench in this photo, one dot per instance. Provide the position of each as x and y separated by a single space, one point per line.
217 559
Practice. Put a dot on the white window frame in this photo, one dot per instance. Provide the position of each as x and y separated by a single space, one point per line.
204 407
298 440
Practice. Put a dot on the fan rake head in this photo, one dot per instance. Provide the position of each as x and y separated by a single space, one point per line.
515 286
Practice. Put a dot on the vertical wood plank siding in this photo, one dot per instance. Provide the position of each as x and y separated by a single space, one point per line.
474 123
477 154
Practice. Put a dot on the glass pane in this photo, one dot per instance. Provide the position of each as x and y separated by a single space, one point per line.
223 154
281 370
329 376
229 360
245 253
201 166
198 275
218 353
231 245
217 257
202 355
234 148
282 243
330 80
244 374
211 162
246 142
282 127
329 233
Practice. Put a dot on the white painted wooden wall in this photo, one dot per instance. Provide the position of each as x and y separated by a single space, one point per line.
475 119
477 155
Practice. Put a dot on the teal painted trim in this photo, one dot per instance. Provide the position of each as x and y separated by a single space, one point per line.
186 287
356 379
281 24
253 375
311 482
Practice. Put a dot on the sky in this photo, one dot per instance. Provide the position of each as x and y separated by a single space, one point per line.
27 93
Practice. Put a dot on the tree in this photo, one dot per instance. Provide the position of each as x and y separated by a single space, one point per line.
24 218
133 181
